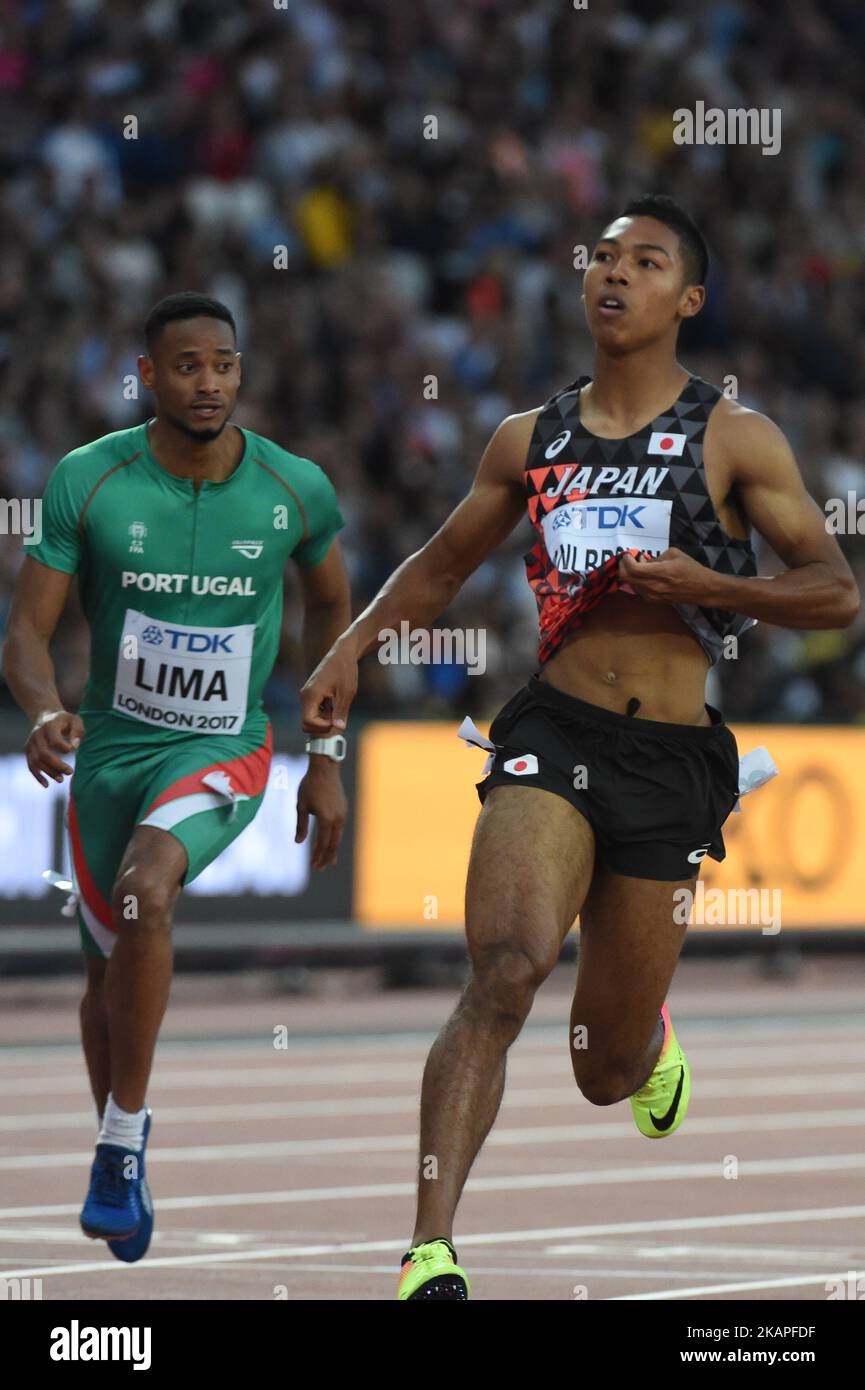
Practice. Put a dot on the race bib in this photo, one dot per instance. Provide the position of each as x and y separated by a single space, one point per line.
183 676
583 535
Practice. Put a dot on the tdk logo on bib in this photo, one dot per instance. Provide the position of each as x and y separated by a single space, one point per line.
605 516
188 640
583 535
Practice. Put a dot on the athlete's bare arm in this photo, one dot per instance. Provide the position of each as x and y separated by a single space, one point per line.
326 604
326 614
38 601
424 584
817 590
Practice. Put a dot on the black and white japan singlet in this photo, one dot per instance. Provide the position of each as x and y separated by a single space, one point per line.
591 499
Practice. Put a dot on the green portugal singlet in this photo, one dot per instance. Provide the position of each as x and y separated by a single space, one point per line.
182 589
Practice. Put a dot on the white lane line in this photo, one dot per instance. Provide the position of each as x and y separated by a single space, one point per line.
62 1235
516 1098
283 1072
71 1235
407 1143
538 1181
583 1272
532 1235
180 1052
791 1216
794 1216
717 1254
709 1033
743 1255
746 1286
277 1276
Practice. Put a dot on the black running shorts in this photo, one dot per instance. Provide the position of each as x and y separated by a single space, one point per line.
656 795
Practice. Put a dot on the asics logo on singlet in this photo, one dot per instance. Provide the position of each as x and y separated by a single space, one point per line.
557 445
251 549
697 854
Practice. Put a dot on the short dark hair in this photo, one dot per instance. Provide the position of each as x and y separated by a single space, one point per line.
186 305
667 210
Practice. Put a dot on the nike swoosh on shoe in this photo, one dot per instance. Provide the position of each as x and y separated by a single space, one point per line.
666 1120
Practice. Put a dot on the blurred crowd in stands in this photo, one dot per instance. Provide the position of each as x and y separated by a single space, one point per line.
388 196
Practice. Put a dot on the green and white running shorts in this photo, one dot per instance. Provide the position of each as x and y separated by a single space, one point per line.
204 790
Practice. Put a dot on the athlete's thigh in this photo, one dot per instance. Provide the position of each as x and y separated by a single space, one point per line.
531 863
630 940
203 794
100 818
153 856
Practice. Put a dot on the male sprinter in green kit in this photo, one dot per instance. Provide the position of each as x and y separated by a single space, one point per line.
610 777
179 531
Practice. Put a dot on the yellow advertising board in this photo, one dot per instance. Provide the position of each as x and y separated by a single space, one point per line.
801 836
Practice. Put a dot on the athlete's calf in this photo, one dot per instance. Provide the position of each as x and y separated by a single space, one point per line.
519 908
138 977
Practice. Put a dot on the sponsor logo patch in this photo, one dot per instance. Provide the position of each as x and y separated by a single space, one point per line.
697 854
583 535
557 445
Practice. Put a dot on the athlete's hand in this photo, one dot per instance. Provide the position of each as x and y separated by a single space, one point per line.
320 794
327 695
669 578
61 734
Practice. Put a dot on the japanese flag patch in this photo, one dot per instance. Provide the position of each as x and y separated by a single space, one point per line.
523 766
670 444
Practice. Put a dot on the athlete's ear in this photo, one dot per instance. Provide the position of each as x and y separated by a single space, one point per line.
692 301
145 371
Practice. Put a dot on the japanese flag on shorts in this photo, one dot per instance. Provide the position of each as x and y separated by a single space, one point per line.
523 766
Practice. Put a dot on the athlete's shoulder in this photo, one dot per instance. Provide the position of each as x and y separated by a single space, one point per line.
288 467
521 423
749 441
516 433
505 455
739 424
89 462
311 491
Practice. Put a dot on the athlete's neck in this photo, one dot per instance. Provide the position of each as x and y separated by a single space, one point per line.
211 462
627 392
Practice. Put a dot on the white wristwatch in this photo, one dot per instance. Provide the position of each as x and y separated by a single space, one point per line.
333 748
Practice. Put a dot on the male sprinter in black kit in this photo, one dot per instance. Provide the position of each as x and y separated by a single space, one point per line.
642 457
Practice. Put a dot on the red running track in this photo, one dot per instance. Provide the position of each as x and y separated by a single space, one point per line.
290 1172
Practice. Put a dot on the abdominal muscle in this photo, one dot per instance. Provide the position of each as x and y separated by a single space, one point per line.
627 647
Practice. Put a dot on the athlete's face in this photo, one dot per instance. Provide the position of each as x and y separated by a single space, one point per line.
638 262
194 373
